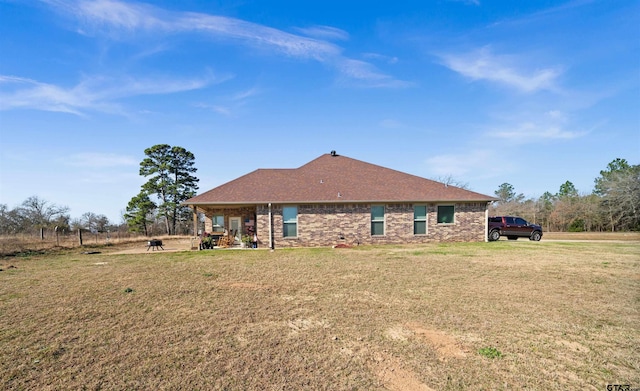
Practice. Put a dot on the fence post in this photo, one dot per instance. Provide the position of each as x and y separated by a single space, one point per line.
80 235
57 237
41 233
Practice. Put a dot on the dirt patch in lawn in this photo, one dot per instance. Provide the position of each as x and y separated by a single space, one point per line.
394 377
446 345
168 245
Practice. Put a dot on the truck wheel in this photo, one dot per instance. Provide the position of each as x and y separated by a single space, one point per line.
536 236
494 235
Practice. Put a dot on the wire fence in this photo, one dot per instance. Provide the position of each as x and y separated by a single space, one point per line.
49 238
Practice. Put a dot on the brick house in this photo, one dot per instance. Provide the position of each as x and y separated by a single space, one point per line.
339 200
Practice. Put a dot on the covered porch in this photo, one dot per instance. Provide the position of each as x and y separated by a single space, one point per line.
225 226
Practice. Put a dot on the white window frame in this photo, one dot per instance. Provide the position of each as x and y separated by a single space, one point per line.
214 226
383 221
425 220
438 214
284 222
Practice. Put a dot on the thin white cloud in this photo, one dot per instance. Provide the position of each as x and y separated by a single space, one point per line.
255 35
110 88
324 32
152 50
467 2
42 96
556 114
122 19
361 73
244 95
232 103
100 160
125 19
458 165
91 94
224 110
111 179
5 79
113 14
546 13
527 129
380 57
391 124
482 64
531 132
509 132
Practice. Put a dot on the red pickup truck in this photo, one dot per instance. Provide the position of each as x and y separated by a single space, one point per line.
513 228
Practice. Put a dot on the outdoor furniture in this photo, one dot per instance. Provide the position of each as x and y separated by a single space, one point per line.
154 244
227 240
216 237
210 240
224 241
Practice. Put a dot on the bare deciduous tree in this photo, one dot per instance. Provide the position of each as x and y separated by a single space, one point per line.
41 213
619 188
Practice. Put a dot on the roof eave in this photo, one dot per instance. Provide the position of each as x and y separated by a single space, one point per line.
342 201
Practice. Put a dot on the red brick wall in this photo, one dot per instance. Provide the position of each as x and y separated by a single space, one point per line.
332 224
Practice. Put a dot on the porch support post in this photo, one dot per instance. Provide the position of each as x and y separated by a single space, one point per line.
270 229
195 220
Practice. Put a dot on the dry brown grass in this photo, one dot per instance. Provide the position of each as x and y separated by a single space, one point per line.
21 244
563 315
591 236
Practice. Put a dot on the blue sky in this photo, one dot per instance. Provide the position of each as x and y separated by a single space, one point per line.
533 93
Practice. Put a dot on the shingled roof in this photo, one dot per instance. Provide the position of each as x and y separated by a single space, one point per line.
333 178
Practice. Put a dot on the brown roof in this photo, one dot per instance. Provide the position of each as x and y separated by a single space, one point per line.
330 179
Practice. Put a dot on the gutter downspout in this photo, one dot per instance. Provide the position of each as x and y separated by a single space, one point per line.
270 229
486 223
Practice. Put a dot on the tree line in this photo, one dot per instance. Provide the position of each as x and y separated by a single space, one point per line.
155 210
613 205
35 213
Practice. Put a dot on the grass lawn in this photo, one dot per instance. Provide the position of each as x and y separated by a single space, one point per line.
480 316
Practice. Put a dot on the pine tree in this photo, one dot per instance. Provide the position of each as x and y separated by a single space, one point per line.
170 170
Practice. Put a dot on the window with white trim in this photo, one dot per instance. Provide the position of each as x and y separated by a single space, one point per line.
446 214
419 219
218 223
290 221
377 220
